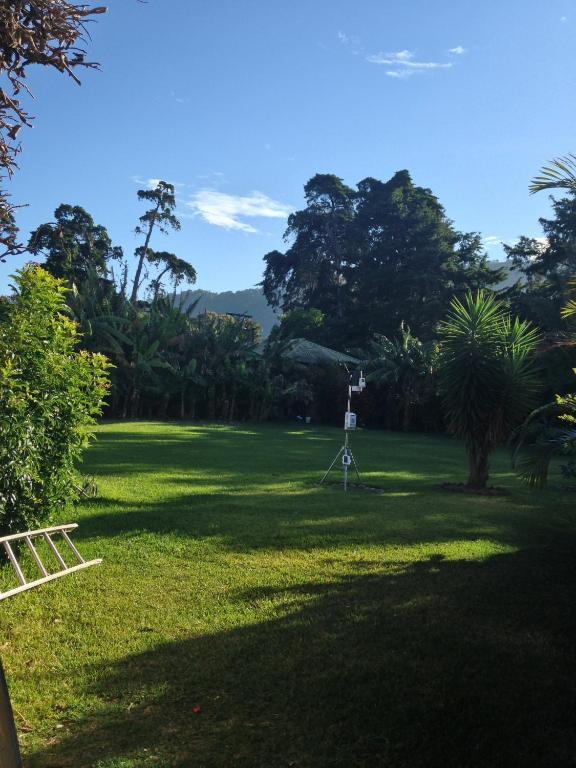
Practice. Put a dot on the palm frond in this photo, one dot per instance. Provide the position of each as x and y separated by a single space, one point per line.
559 174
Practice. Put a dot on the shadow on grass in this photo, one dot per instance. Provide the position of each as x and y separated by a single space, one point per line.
319 518
442 664
284 450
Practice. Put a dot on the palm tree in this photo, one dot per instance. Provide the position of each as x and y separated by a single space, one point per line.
101 314
488 379
403 363
559 174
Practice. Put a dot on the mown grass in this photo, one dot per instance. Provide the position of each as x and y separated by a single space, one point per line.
311 628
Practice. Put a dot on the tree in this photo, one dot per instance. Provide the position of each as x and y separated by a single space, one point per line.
223 346
50 394
547 265
312 271
42 32
179 270
404 364
410 259
488 378
73 245
101 313
160 216
300 324
387 246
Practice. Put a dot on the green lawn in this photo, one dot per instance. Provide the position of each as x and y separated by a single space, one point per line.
312 628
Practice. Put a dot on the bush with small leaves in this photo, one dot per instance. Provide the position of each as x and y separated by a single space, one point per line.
50 396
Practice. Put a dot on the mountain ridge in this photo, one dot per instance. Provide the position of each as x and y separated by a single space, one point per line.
251 301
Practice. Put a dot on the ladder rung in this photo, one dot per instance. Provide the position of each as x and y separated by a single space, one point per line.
35 555
68 541
57 554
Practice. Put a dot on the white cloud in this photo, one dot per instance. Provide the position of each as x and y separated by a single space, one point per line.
402 74
343 37
229 211
563 18
401 56
491 241
153 183
458 51
405 60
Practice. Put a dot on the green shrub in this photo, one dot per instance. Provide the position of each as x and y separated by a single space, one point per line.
50 394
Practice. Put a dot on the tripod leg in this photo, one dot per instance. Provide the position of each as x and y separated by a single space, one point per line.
354 464
331 465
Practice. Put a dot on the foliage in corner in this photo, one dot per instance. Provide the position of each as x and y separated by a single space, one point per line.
45 32
50 395
549 431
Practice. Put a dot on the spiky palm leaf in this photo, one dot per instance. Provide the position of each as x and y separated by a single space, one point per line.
559 174
488 379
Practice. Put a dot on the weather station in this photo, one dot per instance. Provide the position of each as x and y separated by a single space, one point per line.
356 385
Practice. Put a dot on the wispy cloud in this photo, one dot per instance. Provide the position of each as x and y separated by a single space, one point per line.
231 211
352 42
402 74
458 51
404 62
492 241
153 183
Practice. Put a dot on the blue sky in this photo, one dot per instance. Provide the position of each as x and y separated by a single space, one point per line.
240 102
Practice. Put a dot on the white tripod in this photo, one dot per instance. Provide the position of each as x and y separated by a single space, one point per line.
345 451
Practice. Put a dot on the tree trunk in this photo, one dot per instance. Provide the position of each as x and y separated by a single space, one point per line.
138 274
164 402
211 402
134 403
182 404
407 415
478 468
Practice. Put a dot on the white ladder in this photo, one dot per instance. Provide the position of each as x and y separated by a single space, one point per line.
44 534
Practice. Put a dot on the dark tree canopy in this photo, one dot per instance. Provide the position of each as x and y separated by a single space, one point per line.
555 253
547 265
73 244
373 257
179 270
311 272
43 32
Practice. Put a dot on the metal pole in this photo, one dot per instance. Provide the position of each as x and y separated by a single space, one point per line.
345 461
9 750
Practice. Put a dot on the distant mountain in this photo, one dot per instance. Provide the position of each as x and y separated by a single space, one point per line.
511 275
248 302
251 301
